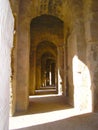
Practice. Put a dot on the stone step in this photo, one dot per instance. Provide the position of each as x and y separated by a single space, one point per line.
48 87
45 91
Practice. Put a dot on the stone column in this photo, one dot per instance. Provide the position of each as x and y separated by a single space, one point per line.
15 9
22 76
38 75
13 66
33 71
60 66
81 74
65 70
91 26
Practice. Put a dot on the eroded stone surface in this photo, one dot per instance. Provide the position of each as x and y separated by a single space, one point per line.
79 32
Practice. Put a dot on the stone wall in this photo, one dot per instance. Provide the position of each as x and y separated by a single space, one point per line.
15 8
6 35
79 78
74 13
27 11
91 27
72 52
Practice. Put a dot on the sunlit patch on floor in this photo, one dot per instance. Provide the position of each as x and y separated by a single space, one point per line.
40 113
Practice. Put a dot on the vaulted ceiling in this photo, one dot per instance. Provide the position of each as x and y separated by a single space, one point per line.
66 10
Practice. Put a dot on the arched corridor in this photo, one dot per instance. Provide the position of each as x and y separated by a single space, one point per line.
50 111
52 52
48 57
46 34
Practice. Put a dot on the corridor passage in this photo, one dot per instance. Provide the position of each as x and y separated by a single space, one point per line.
45 103
51 112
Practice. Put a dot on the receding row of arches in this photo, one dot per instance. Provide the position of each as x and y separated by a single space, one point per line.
52 49
49 52
45 54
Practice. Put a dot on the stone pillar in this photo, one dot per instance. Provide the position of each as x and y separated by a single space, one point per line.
33 71
81 73
6 41
60 66
66 36
22 76
65 70
71 52
91 26
15 9
38 75
13 66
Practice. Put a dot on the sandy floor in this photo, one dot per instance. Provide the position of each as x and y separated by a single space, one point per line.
52 113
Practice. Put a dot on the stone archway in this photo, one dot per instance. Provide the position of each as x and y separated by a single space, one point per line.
72 24
46 51
26 13
47 35
48 71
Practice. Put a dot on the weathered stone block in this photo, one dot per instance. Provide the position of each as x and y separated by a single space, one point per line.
91 31
95 5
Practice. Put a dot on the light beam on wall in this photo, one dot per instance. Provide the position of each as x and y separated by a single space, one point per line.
82 85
